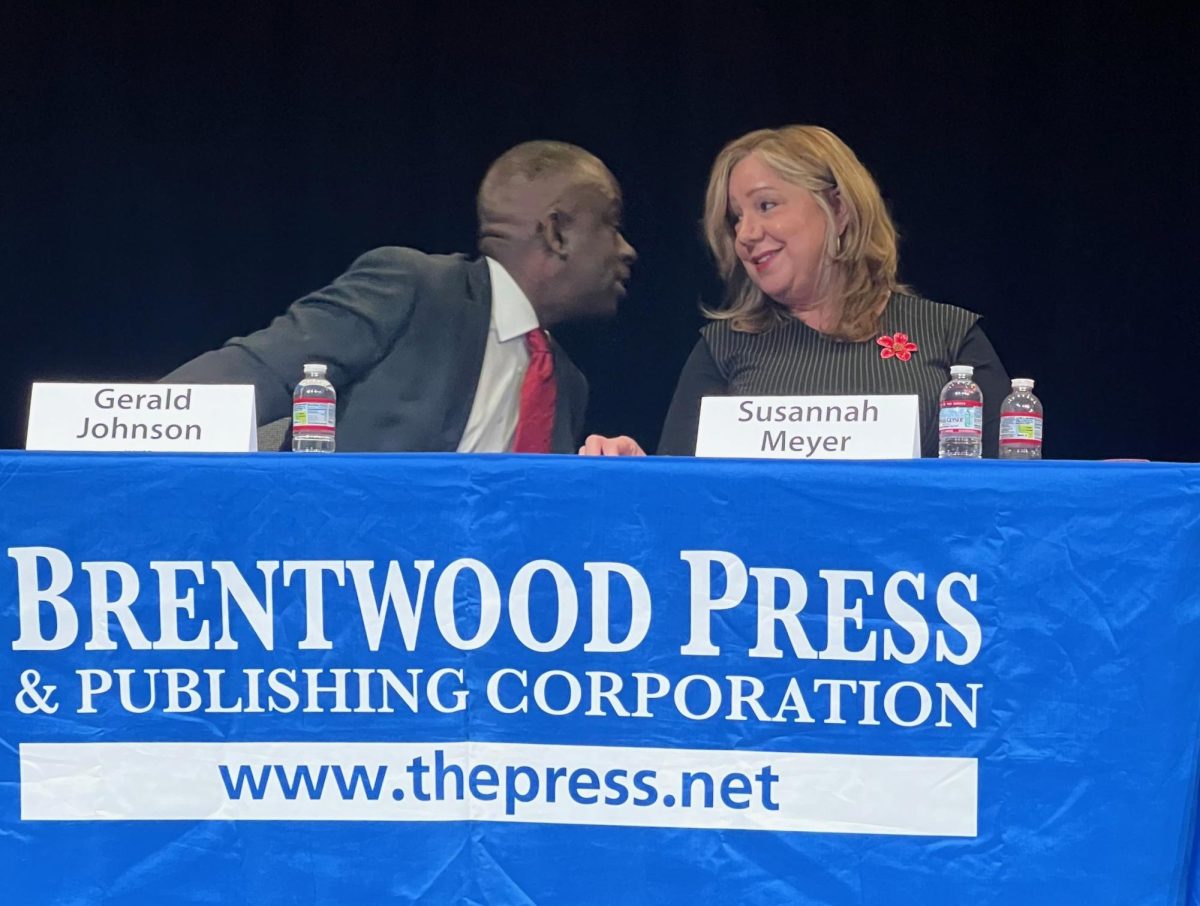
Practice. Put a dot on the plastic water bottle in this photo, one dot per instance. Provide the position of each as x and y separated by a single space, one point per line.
960 416
1021 422
314 413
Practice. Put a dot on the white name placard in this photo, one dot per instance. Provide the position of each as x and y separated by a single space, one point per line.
809 427
191 418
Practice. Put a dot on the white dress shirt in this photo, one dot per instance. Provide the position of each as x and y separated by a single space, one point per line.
493 419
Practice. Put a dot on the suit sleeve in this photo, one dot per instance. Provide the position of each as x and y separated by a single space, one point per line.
700 378
349 326
579 402
976 350
570 403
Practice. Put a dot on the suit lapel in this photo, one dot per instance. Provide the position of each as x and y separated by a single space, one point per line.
568 406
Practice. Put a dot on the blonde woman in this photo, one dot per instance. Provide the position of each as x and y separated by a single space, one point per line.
813 306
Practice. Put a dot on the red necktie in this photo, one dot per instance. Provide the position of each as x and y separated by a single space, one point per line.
535 423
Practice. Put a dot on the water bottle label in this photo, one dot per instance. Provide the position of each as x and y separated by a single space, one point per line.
961 418
314 415
1020 428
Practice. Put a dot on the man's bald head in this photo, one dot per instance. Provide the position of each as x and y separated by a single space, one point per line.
550 214
530 180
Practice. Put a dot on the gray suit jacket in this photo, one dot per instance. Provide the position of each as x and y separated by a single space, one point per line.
403 334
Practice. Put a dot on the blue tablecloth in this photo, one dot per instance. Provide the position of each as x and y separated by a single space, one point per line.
495 679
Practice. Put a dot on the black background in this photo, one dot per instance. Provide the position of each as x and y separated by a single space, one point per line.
174 174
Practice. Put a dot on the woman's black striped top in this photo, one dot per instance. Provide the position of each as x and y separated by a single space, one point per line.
792 359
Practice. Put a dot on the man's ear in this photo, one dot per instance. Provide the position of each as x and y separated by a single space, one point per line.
552 230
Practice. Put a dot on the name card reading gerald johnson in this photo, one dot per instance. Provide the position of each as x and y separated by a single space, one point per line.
191 418
809 427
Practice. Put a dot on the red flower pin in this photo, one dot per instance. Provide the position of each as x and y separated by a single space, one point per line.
897 345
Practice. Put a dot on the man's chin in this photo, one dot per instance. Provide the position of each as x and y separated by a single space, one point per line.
603 309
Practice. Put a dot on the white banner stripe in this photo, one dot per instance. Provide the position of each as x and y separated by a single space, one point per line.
478 781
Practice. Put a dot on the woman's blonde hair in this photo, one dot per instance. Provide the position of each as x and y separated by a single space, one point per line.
864 255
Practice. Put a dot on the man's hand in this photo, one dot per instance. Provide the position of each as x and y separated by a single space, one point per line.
598 445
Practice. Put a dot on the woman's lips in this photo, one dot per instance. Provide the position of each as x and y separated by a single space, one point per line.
762 261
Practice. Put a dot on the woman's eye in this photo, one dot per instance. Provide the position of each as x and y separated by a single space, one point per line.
765 206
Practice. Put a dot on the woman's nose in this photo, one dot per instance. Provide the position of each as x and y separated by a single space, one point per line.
747 230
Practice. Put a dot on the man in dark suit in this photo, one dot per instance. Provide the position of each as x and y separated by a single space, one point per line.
430 352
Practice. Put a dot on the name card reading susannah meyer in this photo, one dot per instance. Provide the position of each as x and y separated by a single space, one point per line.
191 418
809 427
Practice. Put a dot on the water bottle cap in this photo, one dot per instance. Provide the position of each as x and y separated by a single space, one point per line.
962 370
319 370
1022 383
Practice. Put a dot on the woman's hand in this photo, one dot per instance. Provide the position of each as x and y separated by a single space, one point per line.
598 445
